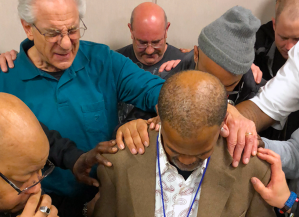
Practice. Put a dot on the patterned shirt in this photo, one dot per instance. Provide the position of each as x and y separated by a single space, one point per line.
178 193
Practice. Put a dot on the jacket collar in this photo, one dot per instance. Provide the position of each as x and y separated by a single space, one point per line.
32 71
217 183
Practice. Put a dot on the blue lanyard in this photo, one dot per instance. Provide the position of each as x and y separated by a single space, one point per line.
161 186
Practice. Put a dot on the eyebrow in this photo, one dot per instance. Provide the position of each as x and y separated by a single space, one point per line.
154 41
201 154
57 30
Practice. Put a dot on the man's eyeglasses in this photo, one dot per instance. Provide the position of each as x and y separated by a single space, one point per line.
55 35
154 44
48 168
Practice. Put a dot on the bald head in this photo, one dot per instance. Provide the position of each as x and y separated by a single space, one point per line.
288 8
21 135
148 13
191 100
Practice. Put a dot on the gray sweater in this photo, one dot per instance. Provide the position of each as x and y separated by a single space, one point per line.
289 153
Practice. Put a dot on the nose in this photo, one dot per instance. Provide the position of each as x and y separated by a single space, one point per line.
187 159
34 189
291 43
149 50
66 42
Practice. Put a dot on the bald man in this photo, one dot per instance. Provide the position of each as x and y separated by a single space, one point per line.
24 150
187 161
149 50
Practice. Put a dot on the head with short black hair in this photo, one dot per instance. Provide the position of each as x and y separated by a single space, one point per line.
192 106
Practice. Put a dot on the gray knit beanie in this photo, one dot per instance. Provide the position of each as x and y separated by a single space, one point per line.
229 40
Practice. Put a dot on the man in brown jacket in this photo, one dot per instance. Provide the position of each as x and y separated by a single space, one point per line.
186 171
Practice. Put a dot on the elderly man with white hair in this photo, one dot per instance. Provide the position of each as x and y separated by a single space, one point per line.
73 86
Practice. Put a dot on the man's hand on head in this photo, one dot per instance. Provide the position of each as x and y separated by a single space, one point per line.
35 202
241 136
6 59
87 160
167 66
257 73
134 134
277 191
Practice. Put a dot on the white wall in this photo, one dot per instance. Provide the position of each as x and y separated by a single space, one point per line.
107 20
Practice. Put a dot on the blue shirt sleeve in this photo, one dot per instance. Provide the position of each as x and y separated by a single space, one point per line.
134 85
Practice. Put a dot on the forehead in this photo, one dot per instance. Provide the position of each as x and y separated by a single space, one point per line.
204 140
56 13
286 26
148 31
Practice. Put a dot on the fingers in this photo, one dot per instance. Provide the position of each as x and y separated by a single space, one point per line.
9 59
31 205
88 180
259 187
45 201
224 131
54 212
13 54
257 73
119 139
142 130
129 140
250 147
137 142
176 63
183 50
162 67
3 64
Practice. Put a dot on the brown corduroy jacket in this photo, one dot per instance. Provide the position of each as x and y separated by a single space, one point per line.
128 187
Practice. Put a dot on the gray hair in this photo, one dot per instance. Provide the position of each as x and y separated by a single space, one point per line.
26 12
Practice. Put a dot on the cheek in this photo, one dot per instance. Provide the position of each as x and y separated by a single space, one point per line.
10 200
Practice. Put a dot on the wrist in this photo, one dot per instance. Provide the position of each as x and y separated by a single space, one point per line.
289 203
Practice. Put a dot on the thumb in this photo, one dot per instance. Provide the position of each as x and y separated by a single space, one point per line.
88 181
224 131
259 186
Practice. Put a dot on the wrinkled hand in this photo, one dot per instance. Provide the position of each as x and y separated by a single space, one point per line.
87 160
135 136
257 73
184 50
236 129
169 65
33 204
7 59
154 123
277 192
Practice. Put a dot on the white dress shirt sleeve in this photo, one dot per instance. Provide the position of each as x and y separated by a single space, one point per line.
280 96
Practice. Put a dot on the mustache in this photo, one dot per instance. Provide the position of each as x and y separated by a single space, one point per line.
155 52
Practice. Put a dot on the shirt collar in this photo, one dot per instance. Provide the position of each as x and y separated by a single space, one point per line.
165 165
31 71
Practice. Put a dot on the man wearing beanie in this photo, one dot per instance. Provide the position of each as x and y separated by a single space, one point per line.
187 162
226 50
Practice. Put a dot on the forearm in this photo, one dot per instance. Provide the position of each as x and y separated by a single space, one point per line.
252 112
289 154
63 152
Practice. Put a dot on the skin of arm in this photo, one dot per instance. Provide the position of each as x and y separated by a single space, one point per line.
252 112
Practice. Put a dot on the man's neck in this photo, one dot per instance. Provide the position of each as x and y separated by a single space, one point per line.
36 59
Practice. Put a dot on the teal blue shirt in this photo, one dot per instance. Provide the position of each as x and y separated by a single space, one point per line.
82 105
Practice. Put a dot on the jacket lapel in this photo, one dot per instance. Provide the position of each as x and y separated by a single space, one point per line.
217 183
142 180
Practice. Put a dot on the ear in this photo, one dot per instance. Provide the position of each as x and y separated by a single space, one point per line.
167 27
130 27
274 22
28 29
196 54
224 120
157 109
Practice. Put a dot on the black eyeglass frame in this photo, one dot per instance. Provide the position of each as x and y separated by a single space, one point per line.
47 172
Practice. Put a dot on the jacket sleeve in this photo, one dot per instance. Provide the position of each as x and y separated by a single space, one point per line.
63 152
258 206
106 205
289 154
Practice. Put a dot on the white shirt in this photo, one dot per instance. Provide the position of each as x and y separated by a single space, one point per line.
280 96
178 193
